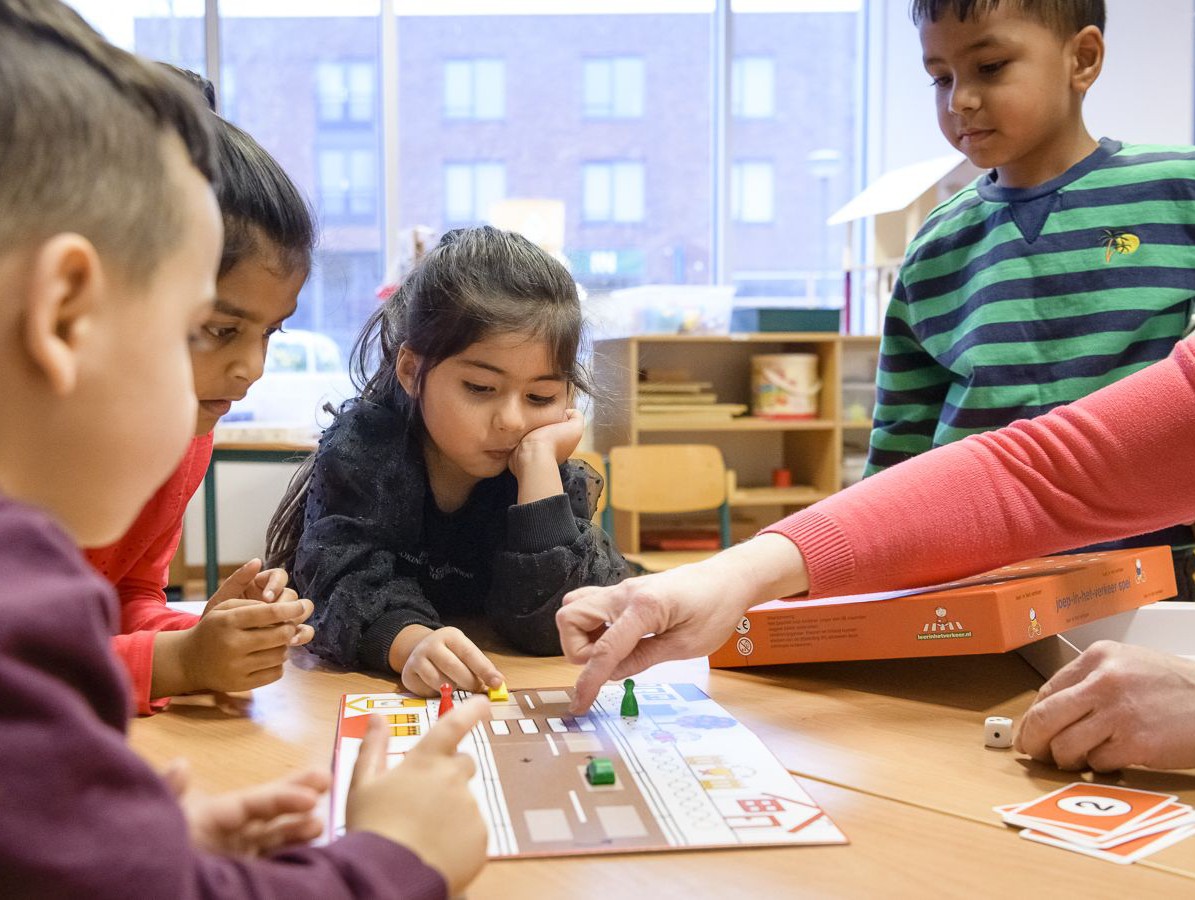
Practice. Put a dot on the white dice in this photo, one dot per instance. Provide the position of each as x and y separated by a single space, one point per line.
997 732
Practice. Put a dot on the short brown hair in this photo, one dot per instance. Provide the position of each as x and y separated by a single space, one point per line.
1066 17
82 124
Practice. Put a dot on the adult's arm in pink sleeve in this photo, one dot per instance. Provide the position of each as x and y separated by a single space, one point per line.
1114 464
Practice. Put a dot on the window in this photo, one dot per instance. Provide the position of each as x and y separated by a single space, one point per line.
613 87
752 192
227 99
171 31
345 91
337 299
753 87
612 192
471 188
474 89
488 106
348 183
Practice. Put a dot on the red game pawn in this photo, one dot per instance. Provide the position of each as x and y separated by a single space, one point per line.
445 697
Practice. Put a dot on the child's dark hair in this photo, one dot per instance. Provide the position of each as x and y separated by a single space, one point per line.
476 282
1066 17
197 81
263 211
82 150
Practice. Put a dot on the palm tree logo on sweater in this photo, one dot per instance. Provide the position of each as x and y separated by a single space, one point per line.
1121 242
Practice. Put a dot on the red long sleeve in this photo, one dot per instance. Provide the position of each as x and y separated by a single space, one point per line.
138 567
1114 464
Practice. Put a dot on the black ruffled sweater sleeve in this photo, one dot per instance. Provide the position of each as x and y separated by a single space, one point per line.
363 512
551 548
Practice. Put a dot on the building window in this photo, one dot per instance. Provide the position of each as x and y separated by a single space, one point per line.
348 183
612 192
226 103
752 192
474 89
613 87
346 91
470 189
753 87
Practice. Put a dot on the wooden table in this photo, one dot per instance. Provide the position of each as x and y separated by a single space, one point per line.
893 751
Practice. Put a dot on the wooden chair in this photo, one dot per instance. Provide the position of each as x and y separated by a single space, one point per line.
599 465
668 478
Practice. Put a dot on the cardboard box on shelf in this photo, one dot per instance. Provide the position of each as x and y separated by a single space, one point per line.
990 613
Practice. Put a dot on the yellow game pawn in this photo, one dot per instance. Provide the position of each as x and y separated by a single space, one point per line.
499 694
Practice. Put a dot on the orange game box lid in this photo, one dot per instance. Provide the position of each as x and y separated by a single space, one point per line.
994 612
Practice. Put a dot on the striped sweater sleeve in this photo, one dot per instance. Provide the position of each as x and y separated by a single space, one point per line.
910 390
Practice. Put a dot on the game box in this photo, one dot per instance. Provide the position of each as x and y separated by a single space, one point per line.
990 613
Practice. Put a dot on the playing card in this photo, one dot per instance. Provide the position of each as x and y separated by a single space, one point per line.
1096 810
1181 820
1152 825
1124 853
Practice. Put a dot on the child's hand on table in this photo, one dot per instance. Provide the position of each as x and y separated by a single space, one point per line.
254 821
424 803
443 655
237 645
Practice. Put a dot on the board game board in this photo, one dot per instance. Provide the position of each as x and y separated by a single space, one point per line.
687 774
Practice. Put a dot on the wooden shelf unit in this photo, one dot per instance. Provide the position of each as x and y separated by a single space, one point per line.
811 449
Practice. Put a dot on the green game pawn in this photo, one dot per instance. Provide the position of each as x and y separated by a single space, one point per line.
630 706
600 771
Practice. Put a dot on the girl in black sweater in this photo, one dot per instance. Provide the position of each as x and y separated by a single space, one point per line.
445 488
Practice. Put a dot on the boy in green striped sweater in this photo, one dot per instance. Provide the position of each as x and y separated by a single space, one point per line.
1068 266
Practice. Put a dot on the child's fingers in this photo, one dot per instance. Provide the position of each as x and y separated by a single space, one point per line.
256 614
451 728
233 703
477 662
278 798
230 603
303 635
296 828
287 594
427 677
177 776
237 584
315 779
262 677
270 583
452 667
371 757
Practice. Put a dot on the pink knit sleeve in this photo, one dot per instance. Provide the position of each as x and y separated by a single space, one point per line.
1114 464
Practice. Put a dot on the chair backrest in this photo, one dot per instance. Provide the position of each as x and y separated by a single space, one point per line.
598 465
667 478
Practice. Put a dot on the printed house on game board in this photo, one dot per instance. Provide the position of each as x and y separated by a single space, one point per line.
991 613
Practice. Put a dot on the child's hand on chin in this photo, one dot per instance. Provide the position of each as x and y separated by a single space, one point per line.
558 439
254 821
447 655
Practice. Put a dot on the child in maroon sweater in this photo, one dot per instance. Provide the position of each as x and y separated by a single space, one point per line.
109 242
